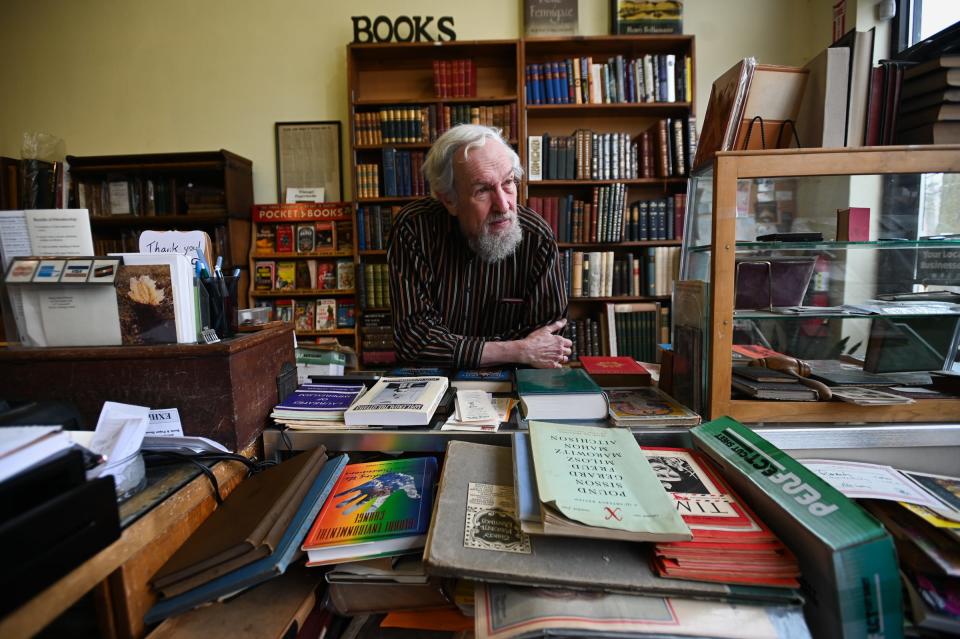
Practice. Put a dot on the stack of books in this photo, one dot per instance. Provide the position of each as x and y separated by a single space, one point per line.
398 401
729 544
251 538
317 405
767 383
648 406
930 102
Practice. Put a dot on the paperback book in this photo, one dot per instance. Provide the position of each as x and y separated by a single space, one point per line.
398 401
491 380
648 406
596 482
375 509
318 402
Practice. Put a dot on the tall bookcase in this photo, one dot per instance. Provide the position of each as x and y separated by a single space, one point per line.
609 133
402 96
210 191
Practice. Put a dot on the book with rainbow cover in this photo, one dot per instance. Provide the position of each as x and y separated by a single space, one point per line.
376 509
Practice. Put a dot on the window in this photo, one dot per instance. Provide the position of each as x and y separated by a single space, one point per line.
918 20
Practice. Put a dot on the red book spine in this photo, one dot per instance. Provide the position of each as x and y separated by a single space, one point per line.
437 79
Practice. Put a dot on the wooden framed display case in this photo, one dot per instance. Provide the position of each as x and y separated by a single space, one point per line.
878 308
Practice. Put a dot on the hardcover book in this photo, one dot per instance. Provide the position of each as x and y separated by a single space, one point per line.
375 509
398 401
614 372
264 568
474 532
560 393
596 482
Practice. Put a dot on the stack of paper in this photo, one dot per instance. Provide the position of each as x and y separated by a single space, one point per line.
477 410
24 446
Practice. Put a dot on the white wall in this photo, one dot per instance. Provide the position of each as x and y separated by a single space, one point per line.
132 76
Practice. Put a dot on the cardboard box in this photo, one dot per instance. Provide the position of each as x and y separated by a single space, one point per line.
850 576
224 391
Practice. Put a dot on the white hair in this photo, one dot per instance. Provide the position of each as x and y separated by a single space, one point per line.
438 165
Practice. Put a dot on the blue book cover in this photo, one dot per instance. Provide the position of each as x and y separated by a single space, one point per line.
262 569
492 380
321 397
390 171
528 497
361 232
418 371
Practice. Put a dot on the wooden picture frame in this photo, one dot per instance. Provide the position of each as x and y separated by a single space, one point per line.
636 17
310 154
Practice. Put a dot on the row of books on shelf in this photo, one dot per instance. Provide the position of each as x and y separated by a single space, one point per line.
305 238
290 275
149 196
622 330
606 220
651 78
424 124
402 173
320 314
663 150
373 225
455 78
650 272
376 338
375 286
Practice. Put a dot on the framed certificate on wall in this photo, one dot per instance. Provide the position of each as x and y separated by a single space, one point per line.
309 156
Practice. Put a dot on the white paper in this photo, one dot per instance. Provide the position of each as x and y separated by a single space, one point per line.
859 480
475 406
164 422
120 430
188 243
60 232
181 278
14 237
304 194
71 316
184 444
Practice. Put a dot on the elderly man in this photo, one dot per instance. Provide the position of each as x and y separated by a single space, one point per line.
474 278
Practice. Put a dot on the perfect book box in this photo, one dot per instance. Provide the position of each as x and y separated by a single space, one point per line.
849 565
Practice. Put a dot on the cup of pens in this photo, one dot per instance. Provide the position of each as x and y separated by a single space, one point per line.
222 295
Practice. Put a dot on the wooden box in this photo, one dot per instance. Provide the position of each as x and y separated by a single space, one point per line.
223 391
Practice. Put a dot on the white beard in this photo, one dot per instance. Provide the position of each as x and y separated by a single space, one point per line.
493 247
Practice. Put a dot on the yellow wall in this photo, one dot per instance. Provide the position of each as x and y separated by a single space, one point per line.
139 76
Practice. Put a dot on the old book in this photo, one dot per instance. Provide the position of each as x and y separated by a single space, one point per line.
822 118
375 509
326 314
933 81
596 482
793 392
491 380
932 133
614 372
264 568
474 532
245 528
932 99
721 120
648 406
935 113
501 609
559 393
860 44
398 401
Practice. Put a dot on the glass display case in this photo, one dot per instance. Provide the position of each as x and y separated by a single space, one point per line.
841 267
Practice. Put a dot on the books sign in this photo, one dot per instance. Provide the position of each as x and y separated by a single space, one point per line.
401 29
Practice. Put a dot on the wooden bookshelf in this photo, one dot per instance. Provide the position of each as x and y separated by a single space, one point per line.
210 191
624 109
384 80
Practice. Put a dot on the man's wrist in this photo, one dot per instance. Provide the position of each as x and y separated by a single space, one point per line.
507 352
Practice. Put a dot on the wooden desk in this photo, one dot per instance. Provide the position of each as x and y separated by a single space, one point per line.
119 573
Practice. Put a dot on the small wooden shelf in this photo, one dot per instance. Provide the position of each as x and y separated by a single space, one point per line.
313 292
615 246
329 331
637 109
636 181
110 221
427 100
623 299
345 252
373 252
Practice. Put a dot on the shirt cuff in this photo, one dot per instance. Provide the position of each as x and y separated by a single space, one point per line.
468 352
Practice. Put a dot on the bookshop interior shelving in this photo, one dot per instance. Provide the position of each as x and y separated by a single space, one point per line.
210 191
403 95
304 269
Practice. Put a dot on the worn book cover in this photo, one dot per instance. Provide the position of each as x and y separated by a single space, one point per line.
728 97
375 509
286 276
475 533
596 482
264 272
492 380
648 406
613 372
345 274
146 305
303 314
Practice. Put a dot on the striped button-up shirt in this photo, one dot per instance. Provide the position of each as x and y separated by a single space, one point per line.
447 302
